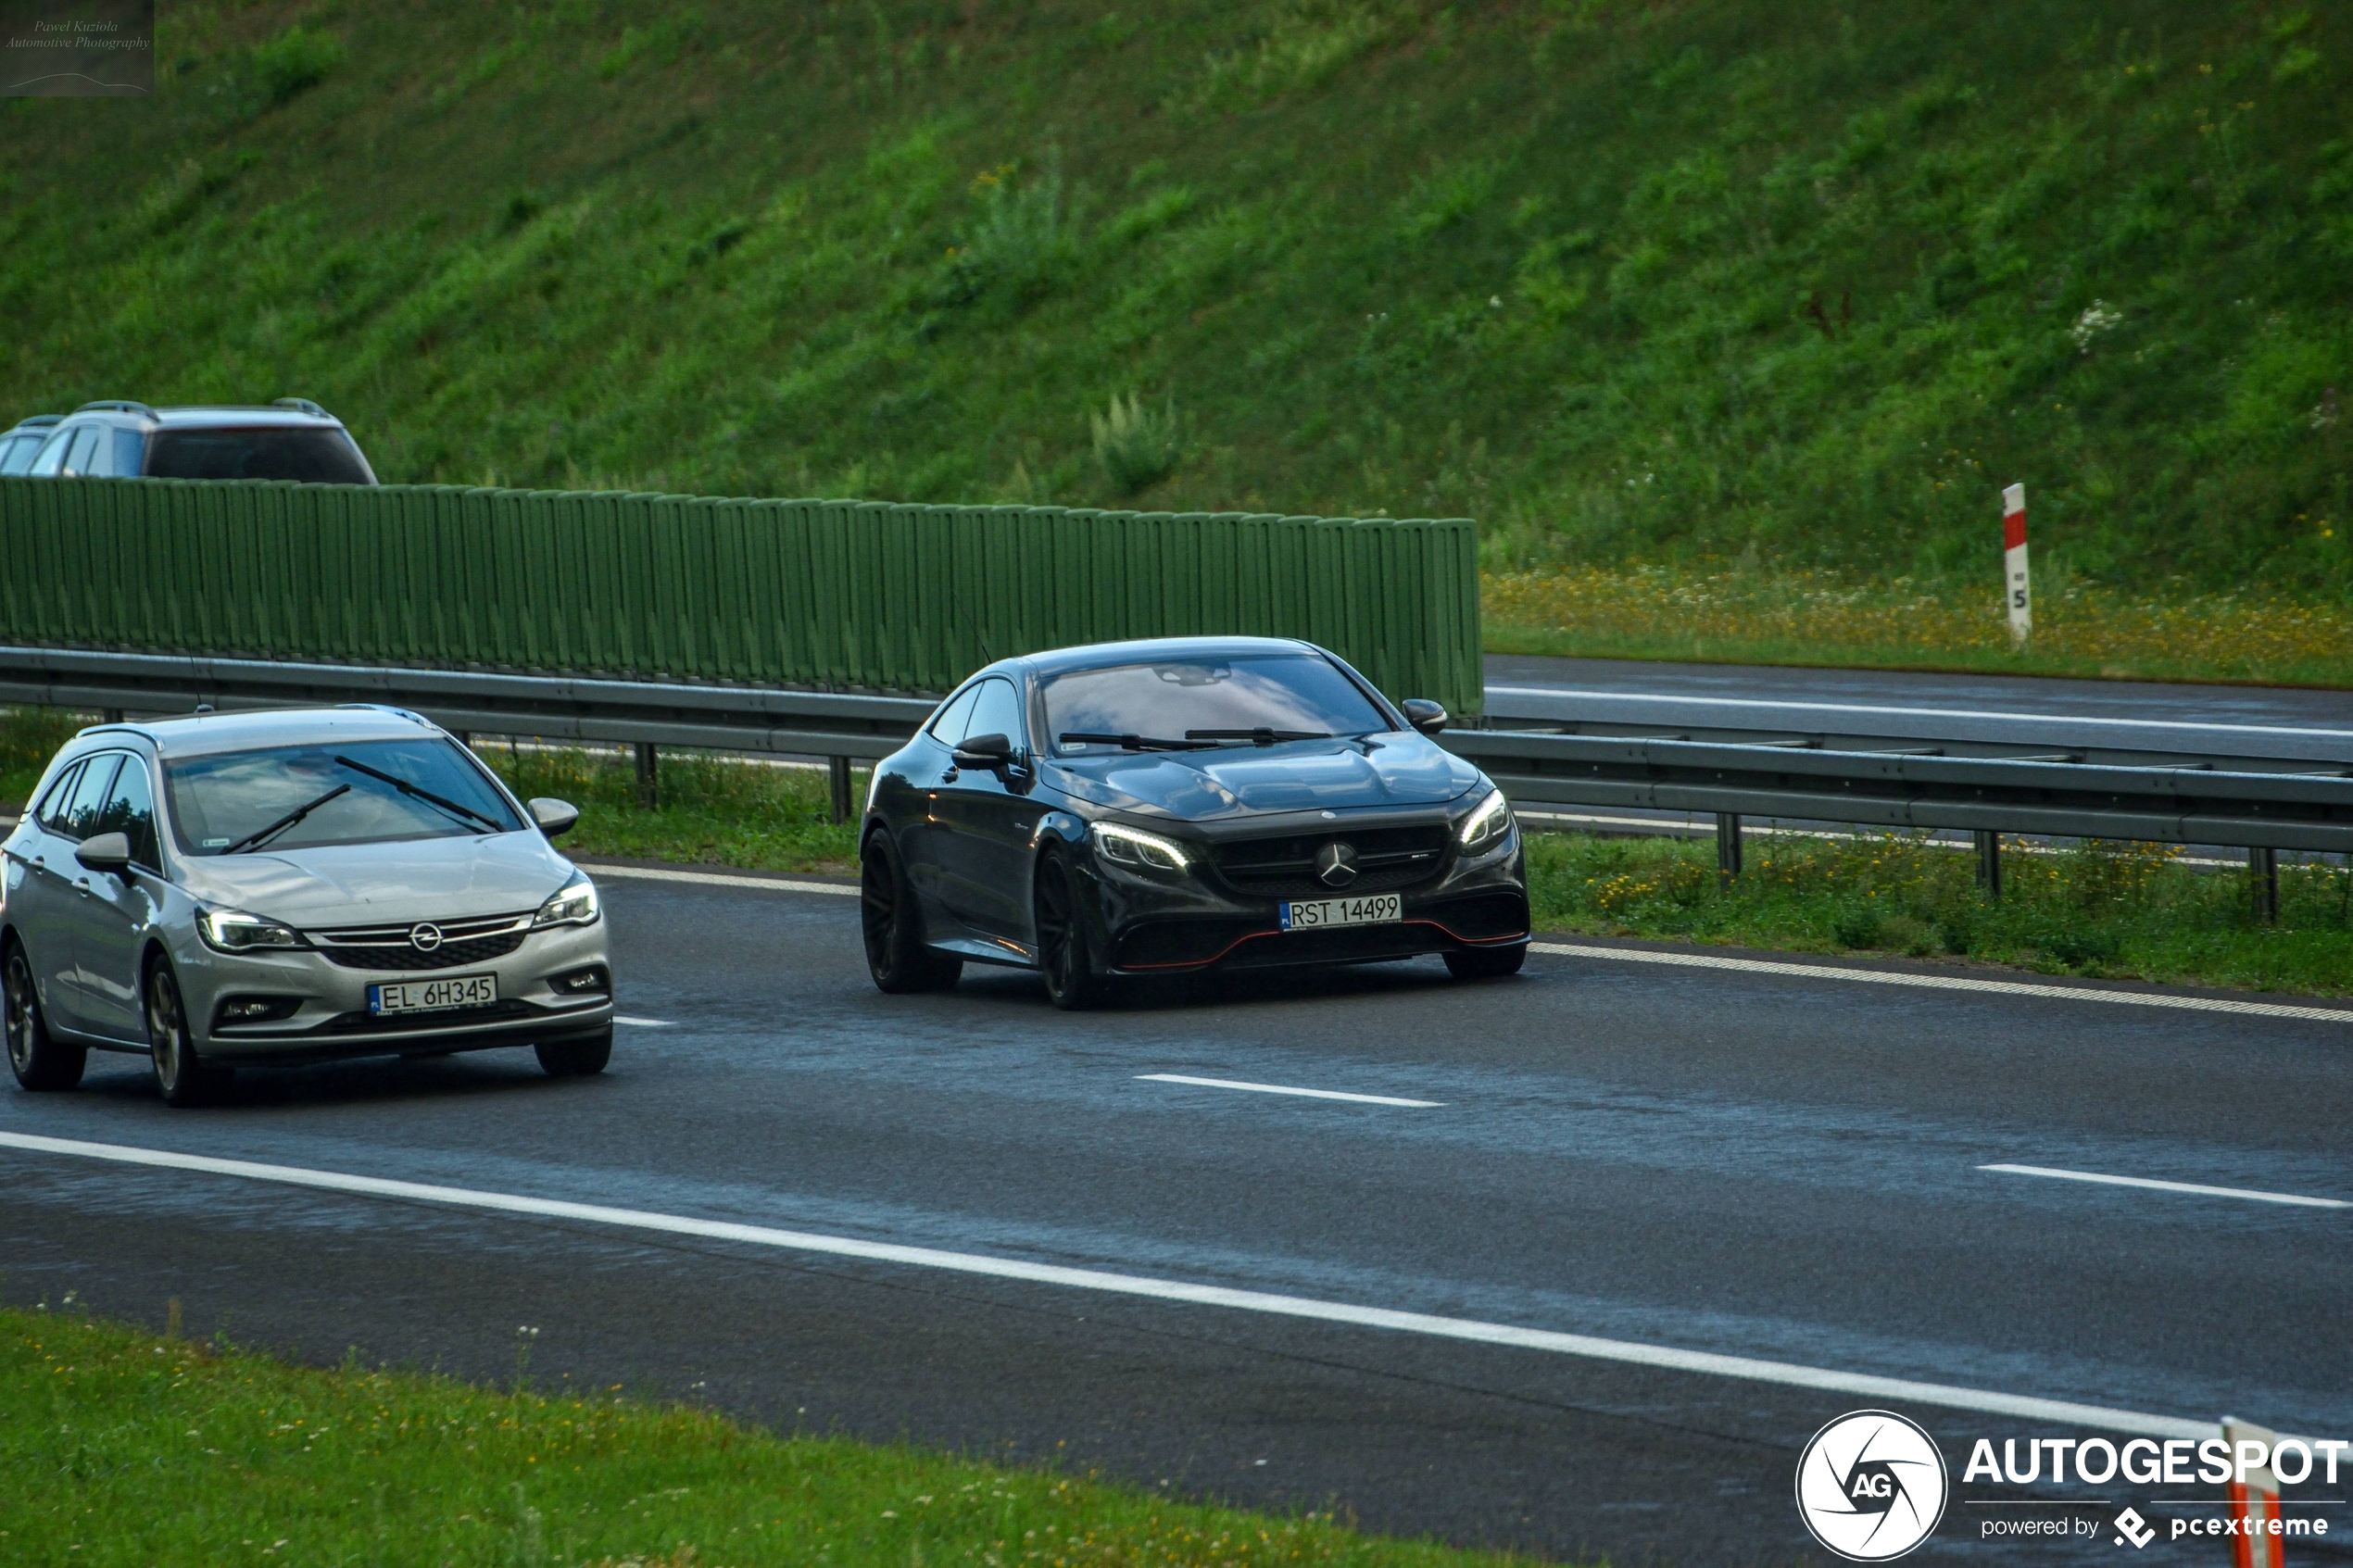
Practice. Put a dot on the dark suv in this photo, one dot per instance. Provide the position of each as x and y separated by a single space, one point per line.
293 438
19 446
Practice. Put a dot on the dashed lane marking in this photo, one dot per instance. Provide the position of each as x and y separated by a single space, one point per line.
1279 1089
714 879
2199 1188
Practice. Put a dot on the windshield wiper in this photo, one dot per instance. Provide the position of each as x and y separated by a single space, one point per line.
428 796
1261 735
253 840
1139 743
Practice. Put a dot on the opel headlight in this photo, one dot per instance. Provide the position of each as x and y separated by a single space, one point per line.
1487 824
575 904
231 930
1128 847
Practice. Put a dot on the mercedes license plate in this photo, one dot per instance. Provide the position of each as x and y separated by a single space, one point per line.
433 995
1314 914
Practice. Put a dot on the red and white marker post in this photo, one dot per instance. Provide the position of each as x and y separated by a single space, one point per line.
2022 599
2253 1494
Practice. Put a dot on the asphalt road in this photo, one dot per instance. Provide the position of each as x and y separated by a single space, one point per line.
2241 720
1755 1164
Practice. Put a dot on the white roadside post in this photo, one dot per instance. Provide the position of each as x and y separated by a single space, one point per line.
2014 564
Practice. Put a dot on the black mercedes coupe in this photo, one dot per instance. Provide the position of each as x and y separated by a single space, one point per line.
1179 806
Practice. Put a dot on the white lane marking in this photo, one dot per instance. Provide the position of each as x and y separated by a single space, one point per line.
2196 1187
1707 1363
1785 704
644 1022
1279 1089
1947 983
714 879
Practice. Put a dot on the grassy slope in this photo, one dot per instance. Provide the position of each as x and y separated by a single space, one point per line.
1735 281
121 1448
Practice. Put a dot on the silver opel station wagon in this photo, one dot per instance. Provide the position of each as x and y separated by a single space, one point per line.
288 886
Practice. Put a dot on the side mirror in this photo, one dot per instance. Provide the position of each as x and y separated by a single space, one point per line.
1425 715
553 816
993 753
108 853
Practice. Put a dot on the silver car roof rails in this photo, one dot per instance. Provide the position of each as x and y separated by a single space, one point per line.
300 405
36 421
117 406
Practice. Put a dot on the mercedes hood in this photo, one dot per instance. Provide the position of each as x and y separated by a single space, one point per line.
1332 775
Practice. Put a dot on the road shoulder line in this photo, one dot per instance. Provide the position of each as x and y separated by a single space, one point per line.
1664 1357
1942 982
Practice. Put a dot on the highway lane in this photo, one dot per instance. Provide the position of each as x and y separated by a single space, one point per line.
1754 1165
2135 702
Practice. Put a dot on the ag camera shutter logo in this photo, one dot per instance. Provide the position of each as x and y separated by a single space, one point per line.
1871 1485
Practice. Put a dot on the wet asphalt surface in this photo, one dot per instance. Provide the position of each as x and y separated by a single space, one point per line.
1761 1165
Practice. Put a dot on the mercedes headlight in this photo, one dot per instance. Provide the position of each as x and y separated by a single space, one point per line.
575 904
1128 847
1487 824
231 930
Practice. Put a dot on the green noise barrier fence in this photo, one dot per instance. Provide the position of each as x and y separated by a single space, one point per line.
835 594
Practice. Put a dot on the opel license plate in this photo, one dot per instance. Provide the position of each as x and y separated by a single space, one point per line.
1314 914
433 995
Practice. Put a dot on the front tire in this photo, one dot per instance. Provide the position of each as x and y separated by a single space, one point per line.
583 1057
182 1078
39 1062
1487 963
1067 951
893 926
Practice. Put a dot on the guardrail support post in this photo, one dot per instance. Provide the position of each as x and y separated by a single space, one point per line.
648 775
1728 845
113 716
2263 872
837 774
1989 861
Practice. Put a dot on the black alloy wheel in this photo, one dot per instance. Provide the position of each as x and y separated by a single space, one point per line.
39 1062
581 1057
181 1076
1067 947
1487 963
896 956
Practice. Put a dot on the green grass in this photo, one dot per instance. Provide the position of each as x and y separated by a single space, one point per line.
714 811
121 1446
29 738
1676 281
2113 910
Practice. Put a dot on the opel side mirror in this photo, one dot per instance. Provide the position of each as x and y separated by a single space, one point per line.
106 853
1425 715
993 753
553 816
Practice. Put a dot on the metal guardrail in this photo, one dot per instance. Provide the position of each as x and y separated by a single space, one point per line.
839 726
2263 804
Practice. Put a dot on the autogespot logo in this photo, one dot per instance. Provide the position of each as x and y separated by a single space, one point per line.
1871 1485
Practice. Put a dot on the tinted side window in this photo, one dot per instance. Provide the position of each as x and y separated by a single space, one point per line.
130 453
53 455
89 796
52 813
997 712
948 728
17 453
130 810
85 441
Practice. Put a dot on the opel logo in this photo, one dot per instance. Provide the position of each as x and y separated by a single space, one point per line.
425 937
1336 864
